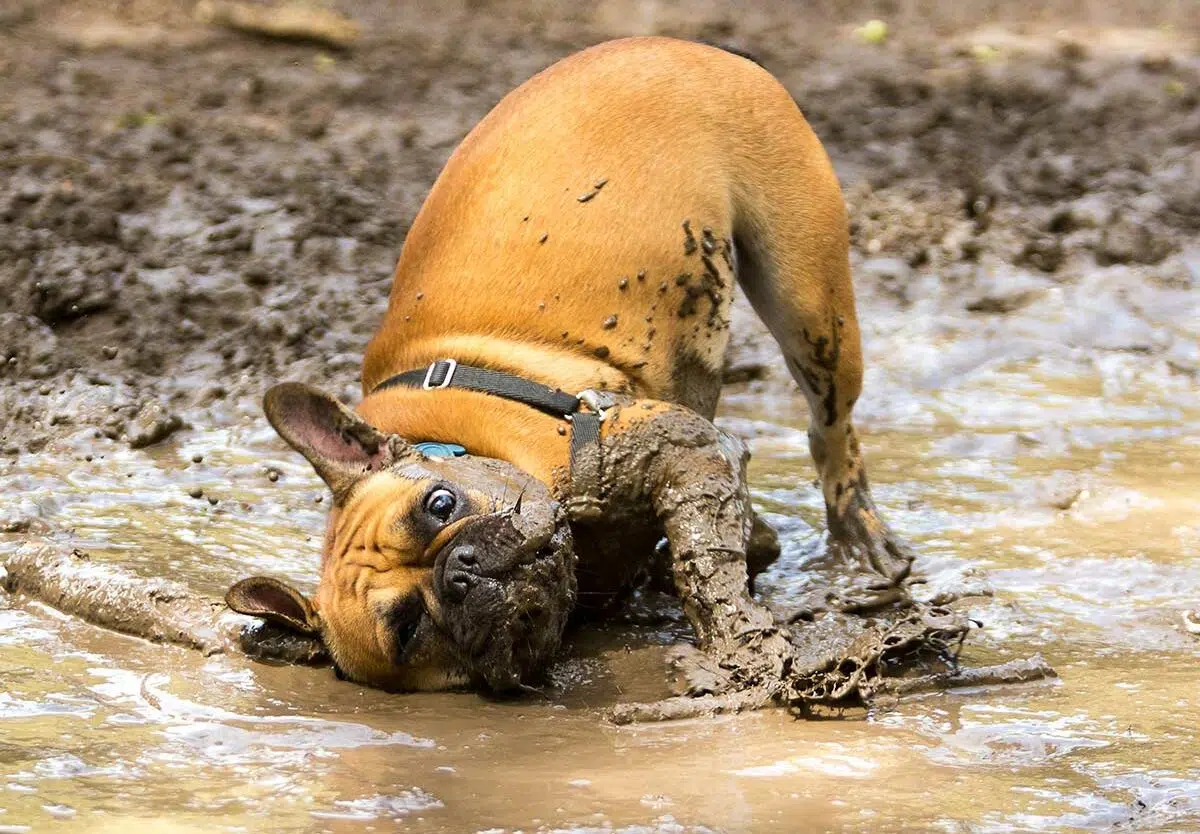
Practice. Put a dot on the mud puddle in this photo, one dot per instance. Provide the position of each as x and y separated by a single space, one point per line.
180 227
1068 481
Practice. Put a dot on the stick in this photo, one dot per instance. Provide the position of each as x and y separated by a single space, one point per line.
1014 671
684 706
158 610
674 709
289 22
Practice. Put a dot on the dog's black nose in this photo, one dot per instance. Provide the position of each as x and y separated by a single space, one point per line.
465 555
458 576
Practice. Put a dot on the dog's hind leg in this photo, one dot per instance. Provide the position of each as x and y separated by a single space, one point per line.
792 245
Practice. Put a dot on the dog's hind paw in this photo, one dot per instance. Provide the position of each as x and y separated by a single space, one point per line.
873 549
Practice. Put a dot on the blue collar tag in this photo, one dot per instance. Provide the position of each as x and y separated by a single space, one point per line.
440 450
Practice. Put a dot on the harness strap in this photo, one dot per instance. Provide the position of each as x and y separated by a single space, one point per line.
447 373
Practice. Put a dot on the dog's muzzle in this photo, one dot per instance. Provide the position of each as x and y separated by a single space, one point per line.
458 574
506 585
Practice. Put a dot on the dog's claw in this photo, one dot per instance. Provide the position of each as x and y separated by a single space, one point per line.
880 555
758 666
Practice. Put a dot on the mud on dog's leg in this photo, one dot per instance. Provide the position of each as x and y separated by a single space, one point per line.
826 362
793 263
694 478
820 342
854 521
762 549
821 345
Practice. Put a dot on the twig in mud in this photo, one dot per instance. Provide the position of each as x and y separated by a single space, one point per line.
289 21
684 706
1026 670
158 610
19 160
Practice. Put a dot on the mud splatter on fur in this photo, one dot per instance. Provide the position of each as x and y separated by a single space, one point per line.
689 239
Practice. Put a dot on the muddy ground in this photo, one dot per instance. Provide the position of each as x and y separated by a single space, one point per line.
188 214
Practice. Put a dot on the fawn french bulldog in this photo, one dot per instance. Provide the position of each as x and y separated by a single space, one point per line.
537 401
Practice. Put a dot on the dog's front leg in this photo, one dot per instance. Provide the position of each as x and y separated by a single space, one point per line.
693 478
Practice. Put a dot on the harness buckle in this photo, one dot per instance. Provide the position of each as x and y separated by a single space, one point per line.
598 401
445 382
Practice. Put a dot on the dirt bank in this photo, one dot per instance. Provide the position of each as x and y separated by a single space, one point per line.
187 214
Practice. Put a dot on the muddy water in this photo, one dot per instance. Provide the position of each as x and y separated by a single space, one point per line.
1067 478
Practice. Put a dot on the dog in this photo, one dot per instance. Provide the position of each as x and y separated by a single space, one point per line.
557 323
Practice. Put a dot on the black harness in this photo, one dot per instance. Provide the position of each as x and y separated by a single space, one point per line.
447 373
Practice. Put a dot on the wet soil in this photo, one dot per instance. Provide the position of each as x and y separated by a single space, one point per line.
188 215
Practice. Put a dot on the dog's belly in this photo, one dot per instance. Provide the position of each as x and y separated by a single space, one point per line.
615 557
596 251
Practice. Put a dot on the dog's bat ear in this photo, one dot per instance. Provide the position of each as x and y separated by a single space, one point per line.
340 445
275 602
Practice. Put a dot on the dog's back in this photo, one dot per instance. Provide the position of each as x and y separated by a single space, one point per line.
586 232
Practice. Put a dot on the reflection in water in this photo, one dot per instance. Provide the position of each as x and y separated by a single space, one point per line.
1066 480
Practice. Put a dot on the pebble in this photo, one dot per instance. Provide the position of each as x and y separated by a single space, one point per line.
152 424
1191 622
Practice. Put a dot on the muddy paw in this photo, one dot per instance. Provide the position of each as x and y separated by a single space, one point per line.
760 664
881 554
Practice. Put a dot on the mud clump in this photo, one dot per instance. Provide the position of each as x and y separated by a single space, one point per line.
30 350
1126 241
152 424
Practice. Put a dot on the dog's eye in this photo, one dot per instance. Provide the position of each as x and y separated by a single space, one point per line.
440 504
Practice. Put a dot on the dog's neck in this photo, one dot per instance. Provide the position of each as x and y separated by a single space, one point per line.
485 425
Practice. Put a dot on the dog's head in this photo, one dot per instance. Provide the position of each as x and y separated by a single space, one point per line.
437 572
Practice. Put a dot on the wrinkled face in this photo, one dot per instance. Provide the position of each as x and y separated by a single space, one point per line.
436 573
435 576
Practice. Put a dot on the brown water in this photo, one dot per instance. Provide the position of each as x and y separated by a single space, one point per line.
1069 478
